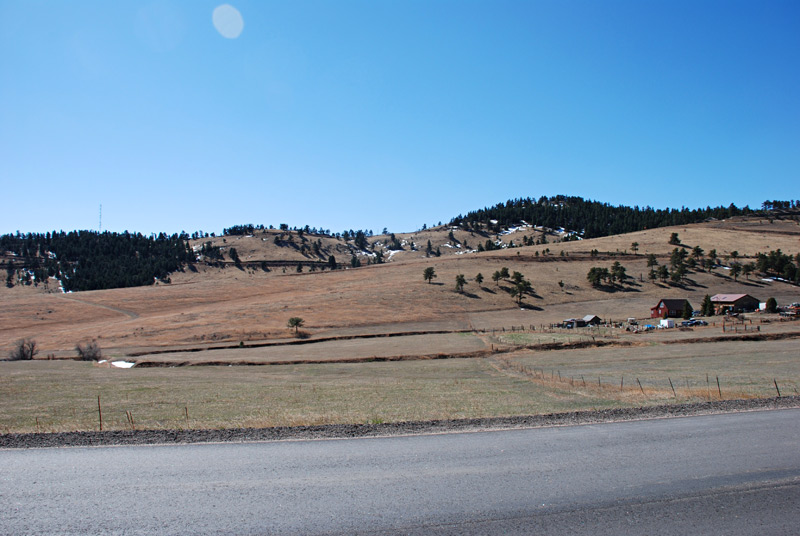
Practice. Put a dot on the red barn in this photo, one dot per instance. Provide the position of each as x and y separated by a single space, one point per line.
673 308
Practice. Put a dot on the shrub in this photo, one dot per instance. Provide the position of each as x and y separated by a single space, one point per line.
772 305
24 350
89 352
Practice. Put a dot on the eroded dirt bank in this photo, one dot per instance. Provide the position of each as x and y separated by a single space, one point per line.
336 431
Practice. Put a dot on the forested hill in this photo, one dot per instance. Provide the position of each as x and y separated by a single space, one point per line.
88 260
591 219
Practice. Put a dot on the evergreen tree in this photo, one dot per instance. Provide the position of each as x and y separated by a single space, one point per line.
687 310
429 274
479 278
521 287
736 269
295 322
772 305
618 272
460 282
707 307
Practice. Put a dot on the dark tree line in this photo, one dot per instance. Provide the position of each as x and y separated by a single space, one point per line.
593 218
88 260
779 264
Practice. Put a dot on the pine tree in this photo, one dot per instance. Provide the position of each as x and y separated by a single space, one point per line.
460 282
707 307
687 310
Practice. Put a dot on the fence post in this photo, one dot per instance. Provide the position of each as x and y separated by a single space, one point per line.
99 413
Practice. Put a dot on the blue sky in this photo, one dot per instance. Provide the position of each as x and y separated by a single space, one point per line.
347 114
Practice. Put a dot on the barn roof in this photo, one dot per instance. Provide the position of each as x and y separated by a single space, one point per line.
672 303
729 298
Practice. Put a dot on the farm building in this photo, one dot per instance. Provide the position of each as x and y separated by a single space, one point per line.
592 320
670 307
735 303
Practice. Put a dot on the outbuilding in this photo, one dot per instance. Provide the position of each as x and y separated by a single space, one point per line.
733 303
592 320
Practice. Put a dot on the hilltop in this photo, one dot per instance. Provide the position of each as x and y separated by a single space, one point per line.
86 260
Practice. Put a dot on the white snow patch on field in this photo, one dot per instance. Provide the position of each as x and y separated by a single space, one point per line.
122 364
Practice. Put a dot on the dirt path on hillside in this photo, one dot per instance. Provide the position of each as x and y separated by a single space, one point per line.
125 312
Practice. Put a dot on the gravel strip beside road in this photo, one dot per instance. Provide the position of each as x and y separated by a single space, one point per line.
337 431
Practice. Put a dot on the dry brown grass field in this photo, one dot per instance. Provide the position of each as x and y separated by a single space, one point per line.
214 307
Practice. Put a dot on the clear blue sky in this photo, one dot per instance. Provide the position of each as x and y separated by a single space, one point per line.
368 114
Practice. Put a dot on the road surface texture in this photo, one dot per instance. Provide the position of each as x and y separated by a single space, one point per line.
726 474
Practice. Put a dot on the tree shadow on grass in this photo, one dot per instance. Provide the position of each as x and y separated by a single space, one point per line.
749 283
613 289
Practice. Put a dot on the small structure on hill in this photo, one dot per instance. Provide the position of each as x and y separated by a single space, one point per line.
672 308
733 303
592 320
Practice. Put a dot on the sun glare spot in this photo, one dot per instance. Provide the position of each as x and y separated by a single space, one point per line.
228 21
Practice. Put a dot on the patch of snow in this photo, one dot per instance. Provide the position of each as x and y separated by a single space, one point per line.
493 222
249 236
515 229
726 268
102 361
196 248
767 279
122 364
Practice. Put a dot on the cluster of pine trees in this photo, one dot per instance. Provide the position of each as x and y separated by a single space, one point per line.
88 260
779 264
595 219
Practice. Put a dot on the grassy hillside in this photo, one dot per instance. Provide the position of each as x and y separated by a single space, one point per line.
214 304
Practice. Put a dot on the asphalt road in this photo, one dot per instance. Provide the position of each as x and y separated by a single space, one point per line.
726 474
